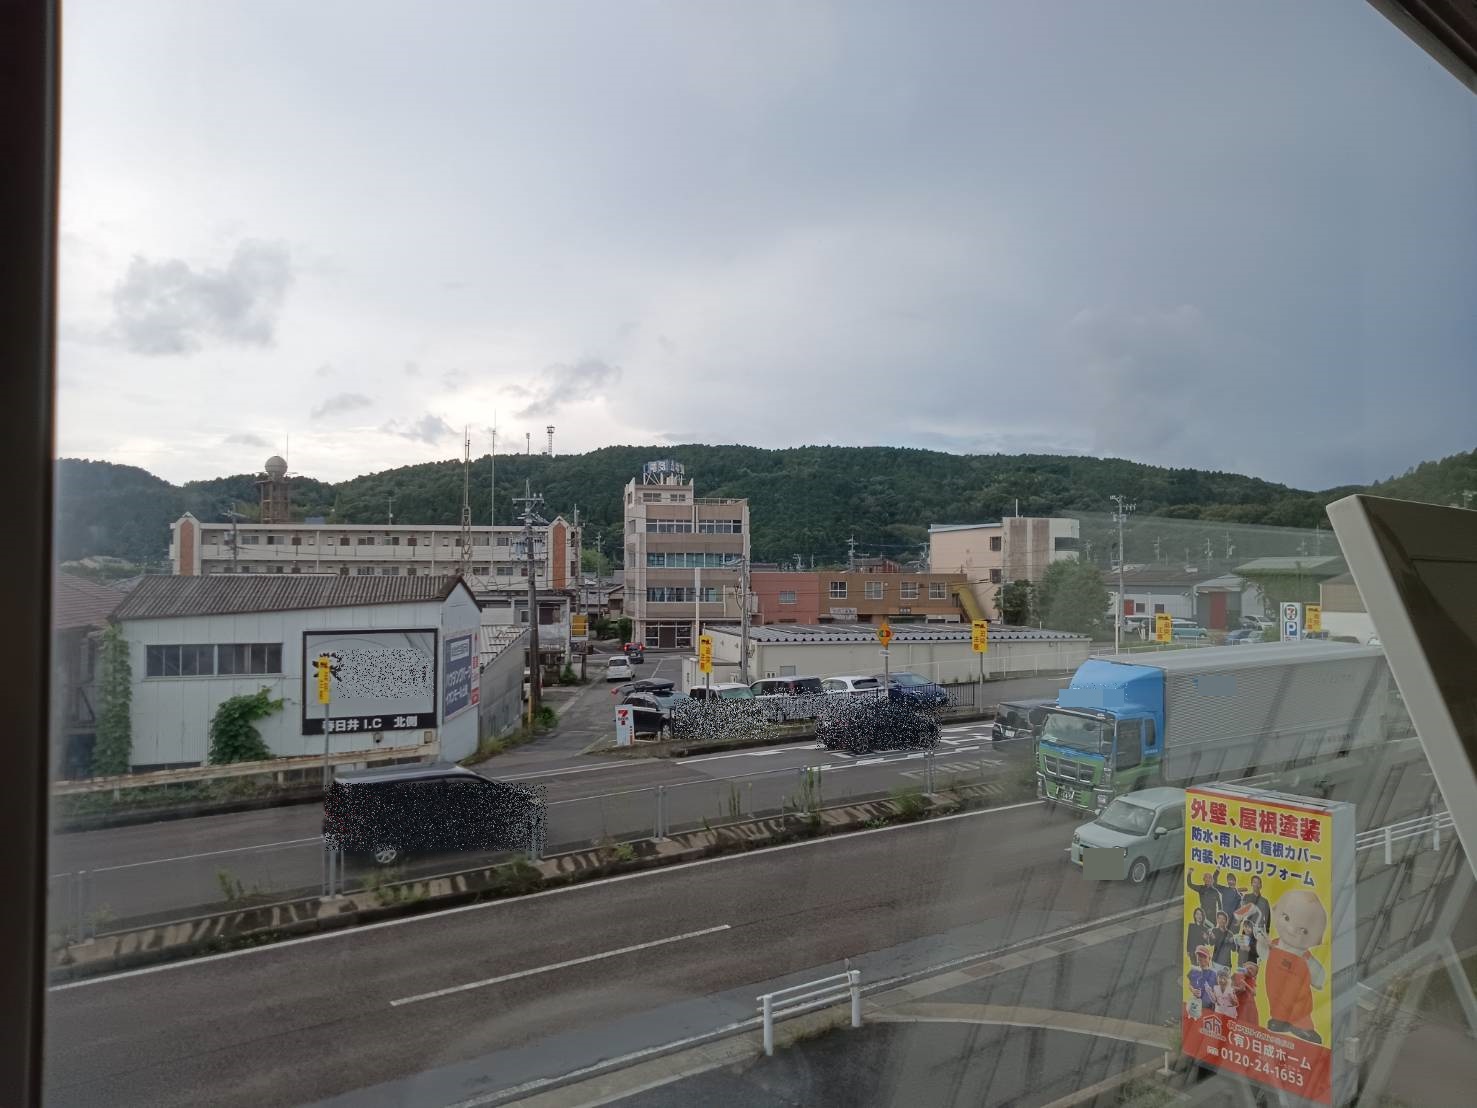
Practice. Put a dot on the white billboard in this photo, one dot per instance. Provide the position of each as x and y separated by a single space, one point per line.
380 680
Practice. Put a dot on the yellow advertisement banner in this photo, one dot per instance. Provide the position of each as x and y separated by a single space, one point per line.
1259 941
979 636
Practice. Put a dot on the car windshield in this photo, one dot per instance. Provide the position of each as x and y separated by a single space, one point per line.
736 694
1126 816
1084 733
907 679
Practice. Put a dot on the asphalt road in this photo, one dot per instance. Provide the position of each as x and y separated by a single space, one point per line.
168 870
435 1009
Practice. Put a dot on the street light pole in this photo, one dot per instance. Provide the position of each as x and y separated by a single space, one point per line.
1124 507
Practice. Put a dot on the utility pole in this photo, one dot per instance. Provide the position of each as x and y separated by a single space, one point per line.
466 563
851 553
1124 506
744 619
531 503
235 518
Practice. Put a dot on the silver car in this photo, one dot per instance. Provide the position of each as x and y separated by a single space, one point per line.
1136 834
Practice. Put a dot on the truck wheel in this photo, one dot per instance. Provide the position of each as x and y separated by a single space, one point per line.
1138 873
386 854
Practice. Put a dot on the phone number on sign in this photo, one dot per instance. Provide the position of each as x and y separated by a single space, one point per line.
1288 1075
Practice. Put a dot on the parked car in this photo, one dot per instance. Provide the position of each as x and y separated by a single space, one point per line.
644 684
787 698
724 690
865 724
390 811
1144 829
1020 719
1242 635
852 686
1185 629
1140 625
651 712
912 690
619 668
665 698
636 652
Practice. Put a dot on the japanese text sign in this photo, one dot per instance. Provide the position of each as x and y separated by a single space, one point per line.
324 674
1269 937
705 653
1163 627
1312 617
979 636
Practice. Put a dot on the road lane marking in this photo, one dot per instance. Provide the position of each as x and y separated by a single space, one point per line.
470 985
563 890
206 854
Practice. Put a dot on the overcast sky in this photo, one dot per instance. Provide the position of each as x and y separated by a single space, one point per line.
1236 236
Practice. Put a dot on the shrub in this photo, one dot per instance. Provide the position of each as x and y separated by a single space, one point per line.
233 738
112 753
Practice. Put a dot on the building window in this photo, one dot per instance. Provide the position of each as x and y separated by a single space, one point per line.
343 540
937 590
389 571
650 497
297 540
720 526
412 541
343 571
994 542
393 540
1065 542
276 540
908 590
995 577
677 594
276 569
364 571
410 571
872 590
838 590
522 615
250 658
1158 609
366 540
250 540
1138 606
676 497
502 540
787 596
297 569
669 527
505 571
445 540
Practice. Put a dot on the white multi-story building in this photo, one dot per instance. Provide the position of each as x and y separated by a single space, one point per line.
499 561
684 557
1017 548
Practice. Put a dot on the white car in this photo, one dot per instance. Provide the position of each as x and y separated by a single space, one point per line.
619 669
852 686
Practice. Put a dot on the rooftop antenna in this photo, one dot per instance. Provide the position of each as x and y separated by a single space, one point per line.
465 567
527 443
550 429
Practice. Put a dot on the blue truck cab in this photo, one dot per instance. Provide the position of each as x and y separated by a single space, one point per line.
1103 737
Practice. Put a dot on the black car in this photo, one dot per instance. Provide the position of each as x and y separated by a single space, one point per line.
394 810
910 689
862 726
1020 719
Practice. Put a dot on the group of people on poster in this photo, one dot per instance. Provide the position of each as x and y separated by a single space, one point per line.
1221 944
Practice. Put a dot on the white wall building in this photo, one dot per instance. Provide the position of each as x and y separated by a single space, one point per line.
1017 548
405 651
938 652
376 550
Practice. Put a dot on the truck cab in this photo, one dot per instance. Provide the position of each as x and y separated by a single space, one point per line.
1102 738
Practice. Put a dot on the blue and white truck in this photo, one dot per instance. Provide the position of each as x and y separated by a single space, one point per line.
1177 717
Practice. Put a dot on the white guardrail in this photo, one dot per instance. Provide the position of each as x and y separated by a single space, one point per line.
1417 827
813 994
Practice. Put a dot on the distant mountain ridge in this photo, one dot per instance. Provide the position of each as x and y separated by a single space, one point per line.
805 501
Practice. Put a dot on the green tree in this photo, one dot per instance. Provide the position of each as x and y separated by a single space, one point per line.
1072 597
233 738
112 753
593 561
1015 602
623 629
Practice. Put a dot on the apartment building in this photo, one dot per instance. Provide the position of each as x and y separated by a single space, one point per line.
1018 548
683 556
499 561
881 590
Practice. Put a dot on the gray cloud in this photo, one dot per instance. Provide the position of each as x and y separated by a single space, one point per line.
243 438
561 385
167 307
341 402
324 370
429 429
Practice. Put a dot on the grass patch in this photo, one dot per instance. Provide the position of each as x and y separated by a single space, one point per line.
492 747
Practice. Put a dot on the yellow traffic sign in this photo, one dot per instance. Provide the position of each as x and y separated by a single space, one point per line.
979 635
884 633
323 676
1312 617
1163 627
705 653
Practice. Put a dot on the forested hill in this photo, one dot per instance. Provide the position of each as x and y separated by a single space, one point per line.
804 501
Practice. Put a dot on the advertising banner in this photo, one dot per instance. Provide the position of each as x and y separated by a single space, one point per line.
381 680
979 636
1269 934
459 677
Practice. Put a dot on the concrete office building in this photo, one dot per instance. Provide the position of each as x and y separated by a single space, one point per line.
882 590
406 656
1018 548
683 557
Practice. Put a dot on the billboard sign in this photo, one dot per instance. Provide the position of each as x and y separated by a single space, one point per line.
1163 627
459 675
1292 620
705 653
1269 939
381 680
625 725
979 636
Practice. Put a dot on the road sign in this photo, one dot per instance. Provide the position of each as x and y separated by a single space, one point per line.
1163 627
1292 621
1313 617
625 725
705 653
979 635
884 633
578 626
323 676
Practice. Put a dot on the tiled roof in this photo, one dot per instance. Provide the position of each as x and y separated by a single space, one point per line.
159 597
901 633
78 602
